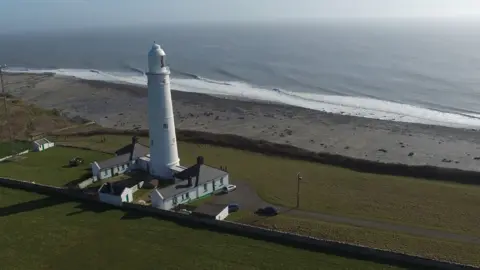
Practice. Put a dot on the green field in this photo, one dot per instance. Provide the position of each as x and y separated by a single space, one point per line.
328 189
51 166
419 246
416 202
45 233
8 148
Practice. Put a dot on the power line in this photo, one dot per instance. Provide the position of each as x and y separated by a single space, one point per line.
5 103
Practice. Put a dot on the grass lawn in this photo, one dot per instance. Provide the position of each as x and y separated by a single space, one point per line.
425 247
47 233
50 166
328 189
17 146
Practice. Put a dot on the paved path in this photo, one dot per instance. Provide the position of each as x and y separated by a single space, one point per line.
248 199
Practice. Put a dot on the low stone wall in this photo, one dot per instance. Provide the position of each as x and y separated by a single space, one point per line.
82 148
87 182
283 150
21 153
295 240
301 241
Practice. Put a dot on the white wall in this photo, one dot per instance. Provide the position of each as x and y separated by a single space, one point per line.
219 183
107 173
168 204
202 192
158 202
127 195
48 145
193 194
95 169
43 147
21 153
222 215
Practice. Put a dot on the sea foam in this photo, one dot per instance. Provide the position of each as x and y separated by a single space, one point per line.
347 105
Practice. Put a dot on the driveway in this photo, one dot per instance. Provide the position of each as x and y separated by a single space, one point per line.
248 199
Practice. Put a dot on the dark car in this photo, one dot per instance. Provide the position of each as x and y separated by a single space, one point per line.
233 207
74 162
267 211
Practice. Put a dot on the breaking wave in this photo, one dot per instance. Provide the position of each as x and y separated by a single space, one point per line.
346 105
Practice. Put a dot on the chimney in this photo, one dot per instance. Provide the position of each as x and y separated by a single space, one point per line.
200 162
134 141
110 187
189 181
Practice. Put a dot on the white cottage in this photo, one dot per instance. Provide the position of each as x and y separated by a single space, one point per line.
125 159
116 195
42 144
190 184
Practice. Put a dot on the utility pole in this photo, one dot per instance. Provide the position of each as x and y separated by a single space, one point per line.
299 178
5 103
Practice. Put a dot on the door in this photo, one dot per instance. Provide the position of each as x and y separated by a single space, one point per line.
127 199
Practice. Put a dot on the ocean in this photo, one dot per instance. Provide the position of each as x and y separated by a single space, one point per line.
420 72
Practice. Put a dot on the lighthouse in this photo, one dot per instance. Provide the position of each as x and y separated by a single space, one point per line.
163 143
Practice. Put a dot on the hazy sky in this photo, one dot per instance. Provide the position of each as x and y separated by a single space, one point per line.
49 14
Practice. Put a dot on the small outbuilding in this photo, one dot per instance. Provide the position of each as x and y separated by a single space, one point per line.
115 194
42 144
212 211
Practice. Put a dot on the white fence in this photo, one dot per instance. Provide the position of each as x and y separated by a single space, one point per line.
7 157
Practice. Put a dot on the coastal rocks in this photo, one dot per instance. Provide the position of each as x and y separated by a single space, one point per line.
382 150
411 154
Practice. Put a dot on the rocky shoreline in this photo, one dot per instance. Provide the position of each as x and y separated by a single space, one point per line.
123 106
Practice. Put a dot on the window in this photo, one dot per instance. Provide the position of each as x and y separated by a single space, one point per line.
165 126
187 195
221 181
174 199
205 189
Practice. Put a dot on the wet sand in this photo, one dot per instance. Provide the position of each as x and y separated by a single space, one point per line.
125 107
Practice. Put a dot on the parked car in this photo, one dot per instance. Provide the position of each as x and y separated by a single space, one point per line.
76 161
229 188
267 211
185 211
233 207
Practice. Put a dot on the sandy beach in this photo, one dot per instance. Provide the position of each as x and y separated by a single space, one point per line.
125 107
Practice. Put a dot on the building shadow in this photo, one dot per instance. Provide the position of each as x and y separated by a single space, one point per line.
92 207
133 215
74 183
30 206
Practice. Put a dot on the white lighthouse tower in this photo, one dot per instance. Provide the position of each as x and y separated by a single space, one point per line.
163 143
